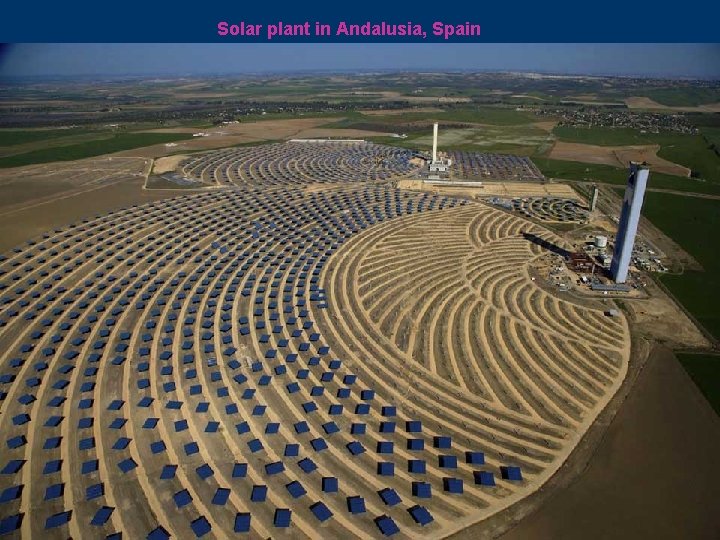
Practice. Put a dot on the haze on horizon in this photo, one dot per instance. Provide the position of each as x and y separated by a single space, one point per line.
701 61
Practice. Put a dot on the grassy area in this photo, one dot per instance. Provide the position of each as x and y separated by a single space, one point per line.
13 137
289 116
694 224
704 369
704 119
587 172
712 135
692 151
498 116
602 136
116 143
684 97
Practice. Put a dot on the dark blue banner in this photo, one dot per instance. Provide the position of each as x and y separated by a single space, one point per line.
389 22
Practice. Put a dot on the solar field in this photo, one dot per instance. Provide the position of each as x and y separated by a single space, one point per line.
269 360
551 209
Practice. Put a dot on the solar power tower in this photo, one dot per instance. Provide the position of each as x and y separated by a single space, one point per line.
629 219
594 198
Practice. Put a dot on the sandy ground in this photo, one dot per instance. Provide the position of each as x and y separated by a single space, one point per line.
29 186
655 474
167 164
429 316
659 317
72 205
496 189
636 102
617 156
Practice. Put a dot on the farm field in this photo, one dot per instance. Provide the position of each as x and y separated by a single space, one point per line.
685 97
587 172
704 369
712 134
688 150
13 137
498 116
695 225
618 156
116 143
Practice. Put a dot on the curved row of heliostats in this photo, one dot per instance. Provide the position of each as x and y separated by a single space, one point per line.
298 163
356 362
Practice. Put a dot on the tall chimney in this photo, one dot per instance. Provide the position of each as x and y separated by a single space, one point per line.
435 130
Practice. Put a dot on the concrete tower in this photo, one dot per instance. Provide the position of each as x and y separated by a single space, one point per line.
629 220
436 165
594 198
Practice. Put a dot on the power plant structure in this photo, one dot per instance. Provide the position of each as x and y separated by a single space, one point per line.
629 220
436 165
594 198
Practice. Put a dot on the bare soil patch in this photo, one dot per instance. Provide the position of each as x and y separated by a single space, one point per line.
545 125
73 205
658 317
637 102
495 189
617 156
167 164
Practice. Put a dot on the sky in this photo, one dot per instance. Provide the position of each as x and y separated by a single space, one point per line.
653 60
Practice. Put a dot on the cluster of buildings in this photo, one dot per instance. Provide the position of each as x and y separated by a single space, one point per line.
604 263
621 118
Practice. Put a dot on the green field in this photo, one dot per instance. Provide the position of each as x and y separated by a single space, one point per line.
602 136
692 151
497 116
683 97
712 135
694 224
116 143
288 116
704 119
704 369
587 172
13 137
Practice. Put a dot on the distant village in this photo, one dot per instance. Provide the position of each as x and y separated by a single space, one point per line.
643 121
